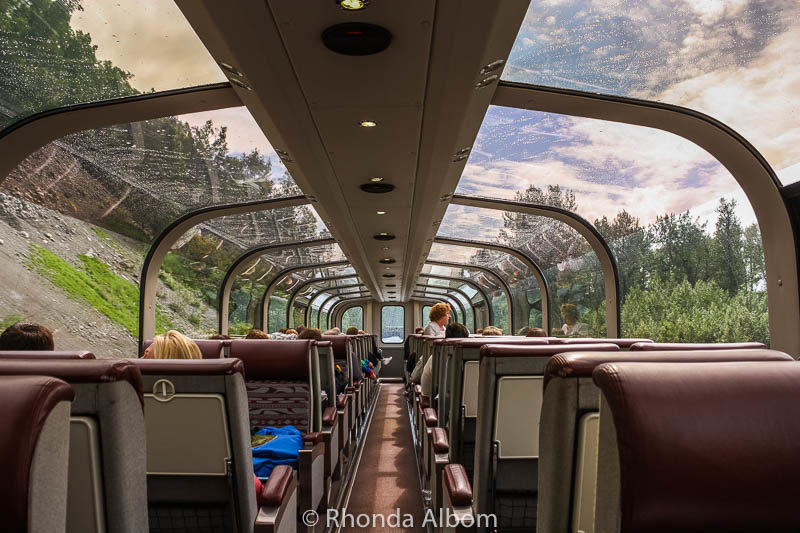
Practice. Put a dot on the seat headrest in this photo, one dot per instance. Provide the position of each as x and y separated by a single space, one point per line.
622 343
77 371
25 404
209 348
665 346
273 359
542 350
474 342
579 364
192 367
339 343
706 446
42 354
323 344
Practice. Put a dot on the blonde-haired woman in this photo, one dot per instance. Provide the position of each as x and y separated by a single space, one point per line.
440 316
173 345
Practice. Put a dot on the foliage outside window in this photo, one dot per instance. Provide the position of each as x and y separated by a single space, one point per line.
353 317
392 324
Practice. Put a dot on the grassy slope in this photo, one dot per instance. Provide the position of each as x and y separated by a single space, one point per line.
95 285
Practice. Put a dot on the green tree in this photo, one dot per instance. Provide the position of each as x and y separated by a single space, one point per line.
630 243
682 248
727 248
753 251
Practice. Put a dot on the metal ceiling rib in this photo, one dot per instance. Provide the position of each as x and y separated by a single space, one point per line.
421 91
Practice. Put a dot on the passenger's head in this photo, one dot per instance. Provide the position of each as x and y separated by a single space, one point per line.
256 334
440 313
172 345
523 332
569 313
536 332
361 332
300 329
352 330
310 333
282 330
330 332
419 331
26 336
220 337
291 331
456 331
479 331
491 330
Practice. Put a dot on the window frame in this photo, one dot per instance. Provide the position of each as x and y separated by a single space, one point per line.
403 323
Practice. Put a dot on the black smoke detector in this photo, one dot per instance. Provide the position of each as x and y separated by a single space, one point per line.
356 38
377 188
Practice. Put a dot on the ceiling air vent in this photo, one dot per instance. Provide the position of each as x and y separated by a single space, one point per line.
356 38
377 188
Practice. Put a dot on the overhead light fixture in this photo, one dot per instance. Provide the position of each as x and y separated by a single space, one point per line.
376 180
391 285
383 236
376 187
388 275
387 268
385 248
387 261
380 212
367 123
352 5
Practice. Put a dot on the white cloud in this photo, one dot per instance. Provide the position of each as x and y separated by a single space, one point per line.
150 39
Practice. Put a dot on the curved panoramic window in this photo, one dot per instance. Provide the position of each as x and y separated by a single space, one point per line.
426 310
353 317
58 53
83 211
247 292
734 61
393 324
680 227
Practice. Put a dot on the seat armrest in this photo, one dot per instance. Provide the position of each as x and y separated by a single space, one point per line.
312 438
341 401
276 486
329 417
457 485
439 440
271 519
425 401
431 419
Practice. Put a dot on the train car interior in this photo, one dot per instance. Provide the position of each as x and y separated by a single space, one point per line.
374 265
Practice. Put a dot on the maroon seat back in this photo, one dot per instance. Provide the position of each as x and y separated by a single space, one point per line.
582 364
701 447
25 404
43 354
339 343
74 372
672 346
278 381
622 343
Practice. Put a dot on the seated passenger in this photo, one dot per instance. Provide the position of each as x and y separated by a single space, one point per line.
571 327
440 316
300 329
333 331
536 332
352 330
310 333
453 331
286 334
361 332
419 331
523 332
220 337
479 331
256 334
26 336
491 331
172 345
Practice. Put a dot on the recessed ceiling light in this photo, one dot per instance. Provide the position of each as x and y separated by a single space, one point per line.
391 285
381 212
387 268
385 248
352 5
387 261
367 123
375 187
376 180
388 275
383 236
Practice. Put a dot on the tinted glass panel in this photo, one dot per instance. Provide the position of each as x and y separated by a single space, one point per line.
353 317
426 315
392 324
55 53
735 61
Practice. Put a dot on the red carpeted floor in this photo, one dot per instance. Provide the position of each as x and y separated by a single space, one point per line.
387 479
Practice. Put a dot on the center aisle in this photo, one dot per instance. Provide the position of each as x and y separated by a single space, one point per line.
387 474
